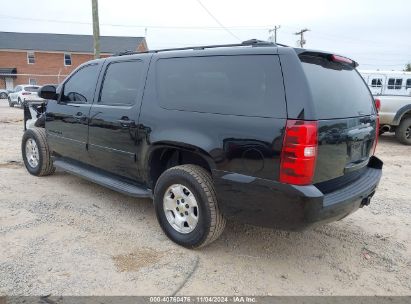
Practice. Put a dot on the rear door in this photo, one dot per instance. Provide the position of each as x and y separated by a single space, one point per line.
67 118
347 119
113 118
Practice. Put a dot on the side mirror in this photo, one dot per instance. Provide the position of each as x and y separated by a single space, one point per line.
48 92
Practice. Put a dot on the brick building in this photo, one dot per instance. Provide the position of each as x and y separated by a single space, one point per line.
38 58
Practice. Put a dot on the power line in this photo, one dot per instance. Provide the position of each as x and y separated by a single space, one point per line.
216 20
237 28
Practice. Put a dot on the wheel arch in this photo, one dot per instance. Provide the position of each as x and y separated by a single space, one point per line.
405 111
166 154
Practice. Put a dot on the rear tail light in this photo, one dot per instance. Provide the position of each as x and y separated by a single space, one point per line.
299 152
337 58
377 132
26 93
377 104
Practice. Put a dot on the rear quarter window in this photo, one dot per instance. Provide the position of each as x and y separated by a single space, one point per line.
338 90
248 85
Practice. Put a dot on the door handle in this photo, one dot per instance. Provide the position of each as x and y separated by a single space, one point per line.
126 123
79 116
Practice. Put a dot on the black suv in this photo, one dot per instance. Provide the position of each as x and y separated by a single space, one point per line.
268 134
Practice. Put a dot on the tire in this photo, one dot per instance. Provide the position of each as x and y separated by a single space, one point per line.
3 95
403 131
43 165
195 183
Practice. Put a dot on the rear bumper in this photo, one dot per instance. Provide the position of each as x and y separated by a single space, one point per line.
271 204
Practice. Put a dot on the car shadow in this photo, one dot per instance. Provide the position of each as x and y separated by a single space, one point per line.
250 242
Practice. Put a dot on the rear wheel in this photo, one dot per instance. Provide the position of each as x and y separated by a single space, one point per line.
36 152
186 206
403 131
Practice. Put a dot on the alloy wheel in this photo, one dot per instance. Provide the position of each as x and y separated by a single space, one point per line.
181 208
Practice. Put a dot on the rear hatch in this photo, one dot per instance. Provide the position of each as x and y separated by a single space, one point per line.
31 90
347 120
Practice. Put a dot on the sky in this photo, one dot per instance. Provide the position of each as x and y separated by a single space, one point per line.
377 34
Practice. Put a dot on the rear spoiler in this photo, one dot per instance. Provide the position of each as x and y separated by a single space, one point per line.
328 56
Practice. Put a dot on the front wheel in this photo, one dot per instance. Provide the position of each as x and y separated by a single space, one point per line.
3 95
36 152
186 206
403 131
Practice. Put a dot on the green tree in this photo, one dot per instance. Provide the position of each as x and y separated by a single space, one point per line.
407 67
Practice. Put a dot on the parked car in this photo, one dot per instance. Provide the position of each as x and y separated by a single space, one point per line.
395 116
22 93
4 94
215 133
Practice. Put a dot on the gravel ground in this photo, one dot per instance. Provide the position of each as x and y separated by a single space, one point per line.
62 235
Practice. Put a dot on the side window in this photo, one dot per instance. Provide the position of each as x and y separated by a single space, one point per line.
121 83
249 85
79 88
376 83
391 82
398 84
408 85
394 83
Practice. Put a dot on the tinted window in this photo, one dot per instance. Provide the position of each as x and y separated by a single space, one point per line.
337 90
394 83
31 89
408 85
121 83
241 85
376 83
80 86
398 84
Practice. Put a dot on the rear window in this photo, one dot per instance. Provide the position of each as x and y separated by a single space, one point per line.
246 85
31 89
337 89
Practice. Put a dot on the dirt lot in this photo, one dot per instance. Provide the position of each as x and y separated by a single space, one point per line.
63 235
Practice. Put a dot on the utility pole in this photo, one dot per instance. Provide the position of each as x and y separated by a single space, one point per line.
96 29
301 33
274 30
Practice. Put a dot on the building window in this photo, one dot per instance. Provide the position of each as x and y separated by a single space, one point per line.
32 81
30 58
67 59
394 83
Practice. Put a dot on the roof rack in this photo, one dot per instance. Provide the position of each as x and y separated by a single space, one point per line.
251 42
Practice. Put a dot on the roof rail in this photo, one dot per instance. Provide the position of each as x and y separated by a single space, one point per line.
251 42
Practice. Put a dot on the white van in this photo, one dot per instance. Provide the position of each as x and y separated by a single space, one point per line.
388 82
